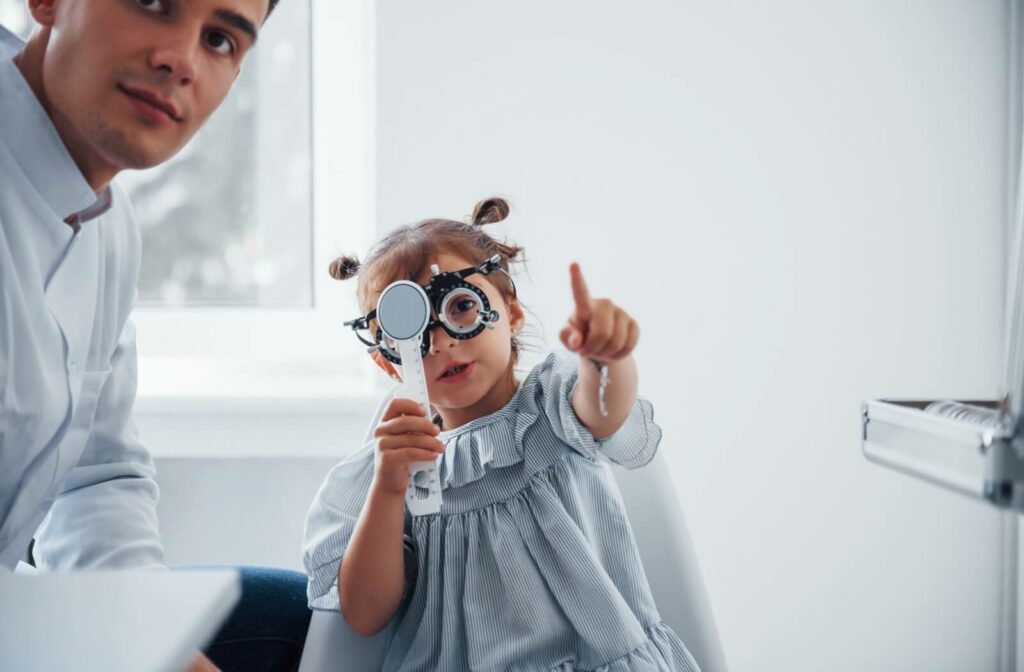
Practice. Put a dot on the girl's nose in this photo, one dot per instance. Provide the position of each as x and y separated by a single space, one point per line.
440 340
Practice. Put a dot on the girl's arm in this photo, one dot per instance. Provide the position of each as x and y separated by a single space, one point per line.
599 330
619 396
371 575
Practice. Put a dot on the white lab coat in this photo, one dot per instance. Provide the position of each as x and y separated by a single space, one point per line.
72 470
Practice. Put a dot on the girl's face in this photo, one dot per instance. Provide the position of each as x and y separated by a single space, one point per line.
471 378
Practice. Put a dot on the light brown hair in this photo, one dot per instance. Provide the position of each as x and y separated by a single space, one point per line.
406 252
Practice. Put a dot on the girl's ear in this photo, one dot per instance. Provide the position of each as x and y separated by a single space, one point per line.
385 365
516 316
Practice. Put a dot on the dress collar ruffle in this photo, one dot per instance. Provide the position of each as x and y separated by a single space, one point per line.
492 441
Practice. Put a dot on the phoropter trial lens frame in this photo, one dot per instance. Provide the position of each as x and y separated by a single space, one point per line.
440 286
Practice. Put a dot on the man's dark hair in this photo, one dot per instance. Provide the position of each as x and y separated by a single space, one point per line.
273 3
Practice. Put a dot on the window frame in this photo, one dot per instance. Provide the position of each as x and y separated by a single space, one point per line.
259 353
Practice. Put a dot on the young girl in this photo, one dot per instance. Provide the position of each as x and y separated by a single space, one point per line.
530 563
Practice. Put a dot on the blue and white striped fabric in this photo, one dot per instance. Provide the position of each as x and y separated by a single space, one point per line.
531 563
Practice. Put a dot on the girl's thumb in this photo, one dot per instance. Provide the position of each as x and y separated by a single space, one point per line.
571 338
567 335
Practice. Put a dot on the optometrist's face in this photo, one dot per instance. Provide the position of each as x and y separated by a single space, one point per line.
129 82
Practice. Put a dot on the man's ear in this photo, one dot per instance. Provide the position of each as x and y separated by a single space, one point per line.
385 365
43 11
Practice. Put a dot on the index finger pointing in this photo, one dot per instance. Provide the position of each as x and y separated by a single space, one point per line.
580 293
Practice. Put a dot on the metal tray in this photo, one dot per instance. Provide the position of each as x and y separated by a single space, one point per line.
973 459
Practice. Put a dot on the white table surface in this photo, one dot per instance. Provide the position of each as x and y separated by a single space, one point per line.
151 621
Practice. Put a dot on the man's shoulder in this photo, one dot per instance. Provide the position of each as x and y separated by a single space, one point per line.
18 196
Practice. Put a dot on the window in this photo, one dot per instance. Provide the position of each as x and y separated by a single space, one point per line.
228 221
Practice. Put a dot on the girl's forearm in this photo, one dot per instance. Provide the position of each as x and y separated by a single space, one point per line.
371 575
619 396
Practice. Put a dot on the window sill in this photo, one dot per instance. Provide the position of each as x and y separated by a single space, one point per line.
275 387
189 408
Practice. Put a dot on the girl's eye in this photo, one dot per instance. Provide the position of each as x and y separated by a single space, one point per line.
220 43
464 305
152 6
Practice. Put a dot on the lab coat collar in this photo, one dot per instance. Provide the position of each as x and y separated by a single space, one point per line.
33 141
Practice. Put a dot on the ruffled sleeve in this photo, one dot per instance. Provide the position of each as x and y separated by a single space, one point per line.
330 523
632 446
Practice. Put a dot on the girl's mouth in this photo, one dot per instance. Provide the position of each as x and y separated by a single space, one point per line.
456 371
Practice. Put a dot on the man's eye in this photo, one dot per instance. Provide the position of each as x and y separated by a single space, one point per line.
220 43
153 6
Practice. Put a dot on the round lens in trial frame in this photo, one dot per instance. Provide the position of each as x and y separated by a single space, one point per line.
403 310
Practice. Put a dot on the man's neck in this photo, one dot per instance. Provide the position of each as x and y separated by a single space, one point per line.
97 172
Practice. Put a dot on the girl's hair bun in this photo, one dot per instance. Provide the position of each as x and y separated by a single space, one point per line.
490 211
344 268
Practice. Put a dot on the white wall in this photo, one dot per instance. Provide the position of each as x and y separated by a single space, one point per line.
802 203
237 511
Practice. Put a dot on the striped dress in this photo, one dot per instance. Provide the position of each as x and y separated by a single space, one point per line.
531 563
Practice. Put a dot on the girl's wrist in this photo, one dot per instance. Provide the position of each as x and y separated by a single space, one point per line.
381 492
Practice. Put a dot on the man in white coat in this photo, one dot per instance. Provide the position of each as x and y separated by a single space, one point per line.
101 86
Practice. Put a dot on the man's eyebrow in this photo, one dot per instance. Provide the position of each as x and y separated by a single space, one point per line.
238 21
